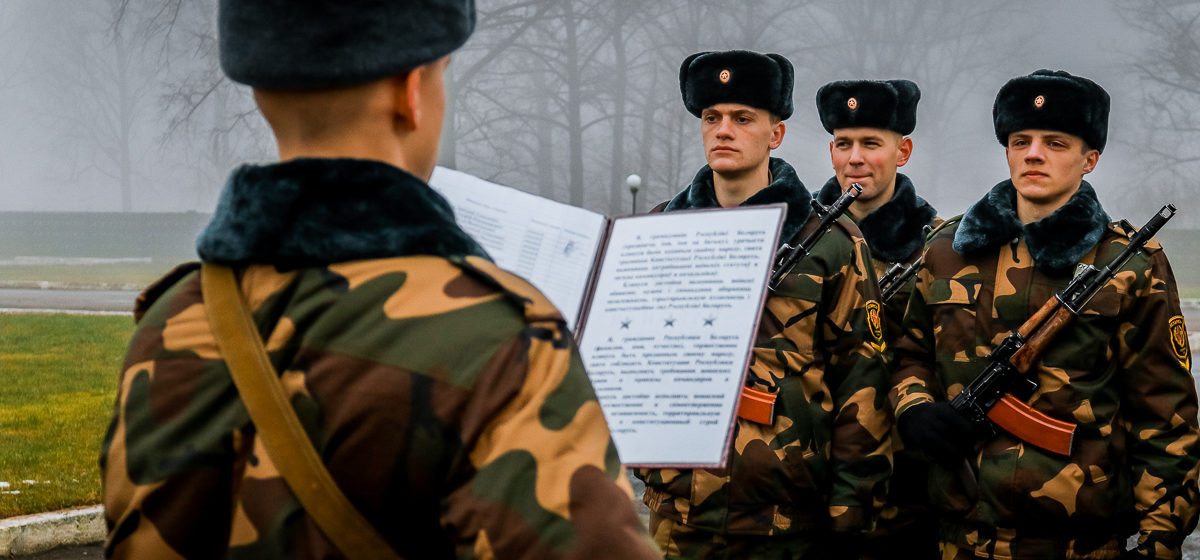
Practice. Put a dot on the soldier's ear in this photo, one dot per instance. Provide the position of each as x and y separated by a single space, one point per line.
1091 158
777 132
905 149
406 99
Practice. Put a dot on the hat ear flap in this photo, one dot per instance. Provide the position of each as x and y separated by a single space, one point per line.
909 93
907 97
787 78
683 73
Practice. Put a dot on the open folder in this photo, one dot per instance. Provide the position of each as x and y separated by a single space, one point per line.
665 307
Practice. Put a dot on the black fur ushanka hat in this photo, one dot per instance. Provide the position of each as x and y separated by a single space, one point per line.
1052 100
312 44
890 105
763 81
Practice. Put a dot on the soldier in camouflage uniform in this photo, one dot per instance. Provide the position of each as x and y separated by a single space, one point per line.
808 484
870 122
444 395
1119 371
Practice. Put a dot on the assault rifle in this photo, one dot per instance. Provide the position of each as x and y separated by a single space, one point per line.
997 397
896 277
789 255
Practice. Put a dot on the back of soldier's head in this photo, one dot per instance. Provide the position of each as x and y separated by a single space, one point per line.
315 64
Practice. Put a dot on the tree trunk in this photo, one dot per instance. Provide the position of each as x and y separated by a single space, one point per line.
645 167
574 102
620 78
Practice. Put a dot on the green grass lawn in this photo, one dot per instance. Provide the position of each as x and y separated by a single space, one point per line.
59 376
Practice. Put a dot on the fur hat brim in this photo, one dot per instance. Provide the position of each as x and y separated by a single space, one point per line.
890 105
763 81
1052 100
313 44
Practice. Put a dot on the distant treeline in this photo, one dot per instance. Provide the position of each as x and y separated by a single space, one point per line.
100 234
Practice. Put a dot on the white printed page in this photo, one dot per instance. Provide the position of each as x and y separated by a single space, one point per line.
673 318
550 244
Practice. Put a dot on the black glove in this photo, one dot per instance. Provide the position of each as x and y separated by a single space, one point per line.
937 430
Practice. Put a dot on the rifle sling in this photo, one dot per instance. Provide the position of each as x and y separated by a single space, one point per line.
275 420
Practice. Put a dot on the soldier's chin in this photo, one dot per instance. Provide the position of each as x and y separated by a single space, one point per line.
1038 192
727 165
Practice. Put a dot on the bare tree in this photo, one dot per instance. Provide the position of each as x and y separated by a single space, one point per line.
952 50
499 28
1168 73
103 88
213 119
544 85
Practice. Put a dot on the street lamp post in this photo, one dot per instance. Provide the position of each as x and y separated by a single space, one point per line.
634 181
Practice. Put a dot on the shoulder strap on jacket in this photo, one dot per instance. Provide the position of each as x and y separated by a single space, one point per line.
284 438
945 224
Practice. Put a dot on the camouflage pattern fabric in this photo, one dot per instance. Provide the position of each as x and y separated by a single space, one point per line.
906 521
445 396
893 309
1120 372
823 464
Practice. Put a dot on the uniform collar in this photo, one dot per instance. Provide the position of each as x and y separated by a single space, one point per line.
895 230
314 212
1056 242
785 186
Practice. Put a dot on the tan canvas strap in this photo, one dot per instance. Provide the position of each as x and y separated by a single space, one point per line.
276 421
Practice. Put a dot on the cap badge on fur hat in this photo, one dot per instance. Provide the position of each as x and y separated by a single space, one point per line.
852 103
724 76
1039 101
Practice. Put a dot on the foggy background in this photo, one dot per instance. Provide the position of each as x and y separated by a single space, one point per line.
119 105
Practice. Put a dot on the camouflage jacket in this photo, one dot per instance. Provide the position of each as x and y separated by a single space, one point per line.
895 232
445 395
1119 371
824 462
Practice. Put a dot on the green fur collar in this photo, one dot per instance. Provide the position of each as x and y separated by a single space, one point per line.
785 187
895 230
313 212
1057 242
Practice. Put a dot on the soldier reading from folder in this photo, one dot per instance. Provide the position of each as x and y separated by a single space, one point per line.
805 479
443 395
1118 373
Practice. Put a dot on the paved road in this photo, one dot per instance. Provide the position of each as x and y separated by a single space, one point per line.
79 300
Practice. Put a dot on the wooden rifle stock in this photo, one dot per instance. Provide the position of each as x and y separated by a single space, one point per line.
1051 319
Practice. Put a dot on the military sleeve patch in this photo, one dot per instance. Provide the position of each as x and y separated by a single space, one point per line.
875 324
1179 342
